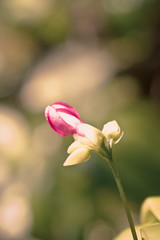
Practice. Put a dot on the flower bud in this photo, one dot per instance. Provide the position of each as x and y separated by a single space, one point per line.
112 132
63 118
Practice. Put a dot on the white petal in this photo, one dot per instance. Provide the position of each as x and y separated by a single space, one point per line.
93 136
78 156
68 118
59 106
111 127
73 147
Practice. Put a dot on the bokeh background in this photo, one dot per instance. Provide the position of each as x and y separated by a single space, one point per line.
103 58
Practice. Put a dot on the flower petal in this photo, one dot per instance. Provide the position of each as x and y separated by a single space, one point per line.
75 145
65 106
78 156
89 136
63 118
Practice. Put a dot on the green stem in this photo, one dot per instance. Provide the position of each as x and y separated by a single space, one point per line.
122 194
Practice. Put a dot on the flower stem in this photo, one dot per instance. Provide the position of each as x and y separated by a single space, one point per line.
122 195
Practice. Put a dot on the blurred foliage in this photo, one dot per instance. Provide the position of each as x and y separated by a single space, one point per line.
150 221
102 57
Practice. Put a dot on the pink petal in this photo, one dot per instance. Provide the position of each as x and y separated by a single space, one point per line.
63 118
61 106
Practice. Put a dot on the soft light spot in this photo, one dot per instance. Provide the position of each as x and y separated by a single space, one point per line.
30 10
15 216
70 73
14 131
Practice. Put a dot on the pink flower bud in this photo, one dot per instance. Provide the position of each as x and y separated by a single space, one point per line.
63 118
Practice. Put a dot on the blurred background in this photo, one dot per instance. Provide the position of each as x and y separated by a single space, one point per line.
103 58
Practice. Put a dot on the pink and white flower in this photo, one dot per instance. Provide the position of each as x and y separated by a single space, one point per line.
63 118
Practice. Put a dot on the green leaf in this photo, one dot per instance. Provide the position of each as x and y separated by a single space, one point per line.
150 210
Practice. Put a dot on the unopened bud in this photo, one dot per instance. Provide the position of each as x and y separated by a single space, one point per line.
112 132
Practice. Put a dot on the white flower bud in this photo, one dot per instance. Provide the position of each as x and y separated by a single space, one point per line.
112 132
